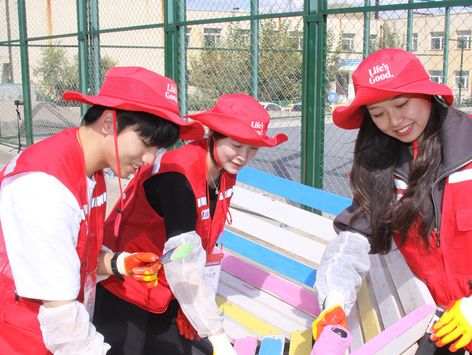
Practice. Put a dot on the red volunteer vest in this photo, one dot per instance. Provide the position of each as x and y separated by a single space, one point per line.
60 156
142 229
447 269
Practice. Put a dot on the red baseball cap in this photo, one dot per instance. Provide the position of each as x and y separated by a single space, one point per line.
139 89
382 75
241 118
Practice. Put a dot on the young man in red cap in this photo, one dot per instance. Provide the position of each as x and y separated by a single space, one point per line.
52 208
411 180
186 191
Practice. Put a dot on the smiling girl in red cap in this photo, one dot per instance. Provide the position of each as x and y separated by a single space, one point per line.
186 190
52 208
411 181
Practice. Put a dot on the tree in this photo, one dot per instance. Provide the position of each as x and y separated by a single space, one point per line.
215 71
389 38
58 74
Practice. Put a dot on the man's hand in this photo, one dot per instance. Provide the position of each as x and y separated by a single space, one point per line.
142 267
186 329
455 325
331 316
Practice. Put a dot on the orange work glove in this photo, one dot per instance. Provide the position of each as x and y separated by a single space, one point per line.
186 329
142 267
455 325
331 316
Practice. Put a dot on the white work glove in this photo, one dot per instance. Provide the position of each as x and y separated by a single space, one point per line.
67 330
221 344
344 264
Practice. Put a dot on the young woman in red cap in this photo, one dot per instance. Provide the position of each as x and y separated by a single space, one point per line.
411 181
52 208
188 189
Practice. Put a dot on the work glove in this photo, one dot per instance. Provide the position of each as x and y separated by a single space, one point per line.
142 267
455 325
186 329
331 316
221 344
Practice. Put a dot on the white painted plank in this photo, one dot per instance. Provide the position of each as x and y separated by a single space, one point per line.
293 216
413 292
384 291
355 329
309 249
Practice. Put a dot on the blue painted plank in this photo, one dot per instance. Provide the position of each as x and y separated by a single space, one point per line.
283 265
299 193
271 346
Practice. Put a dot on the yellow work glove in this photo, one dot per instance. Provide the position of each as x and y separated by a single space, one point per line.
331 316
142 267
455 325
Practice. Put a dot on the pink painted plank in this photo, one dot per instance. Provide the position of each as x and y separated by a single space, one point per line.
285 290
394 331
245 346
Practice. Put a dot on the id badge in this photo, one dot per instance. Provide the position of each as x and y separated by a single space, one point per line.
212 270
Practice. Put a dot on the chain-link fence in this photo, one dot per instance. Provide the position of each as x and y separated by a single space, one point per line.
297 61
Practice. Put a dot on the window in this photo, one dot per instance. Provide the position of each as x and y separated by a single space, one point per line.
348 42
461 80
436 76
372 43
297 40
211 37
414 42
463 40
187 36
437 41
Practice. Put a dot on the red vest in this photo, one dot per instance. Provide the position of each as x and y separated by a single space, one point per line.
447 269
60 156
142 229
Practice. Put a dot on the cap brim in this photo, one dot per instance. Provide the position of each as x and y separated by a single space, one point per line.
234 129
189 130
351 116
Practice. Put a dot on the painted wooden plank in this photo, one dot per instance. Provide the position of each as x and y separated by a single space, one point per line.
279 263
367 314
306 195
355 329
271 346
236 330
400 336
281 239
305 221
262 305
295 295
412 292
384 291
247 319
300 342
245 346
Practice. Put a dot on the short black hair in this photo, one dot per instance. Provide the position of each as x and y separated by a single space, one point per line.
155 130
213 136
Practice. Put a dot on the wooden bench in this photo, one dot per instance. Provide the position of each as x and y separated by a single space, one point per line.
272 250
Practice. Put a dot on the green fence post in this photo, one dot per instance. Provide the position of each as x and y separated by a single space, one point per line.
182 58
313 88
171 39
447 25
25 77
94 49
366 44
82 49
255 50
409 28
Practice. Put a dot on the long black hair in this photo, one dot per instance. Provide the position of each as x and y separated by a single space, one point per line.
156 131
372 182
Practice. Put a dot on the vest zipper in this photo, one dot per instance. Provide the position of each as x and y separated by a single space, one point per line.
437 227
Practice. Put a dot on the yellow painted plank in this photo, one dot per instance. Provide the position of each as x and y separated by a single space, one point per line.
246 318
300 342
368 316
